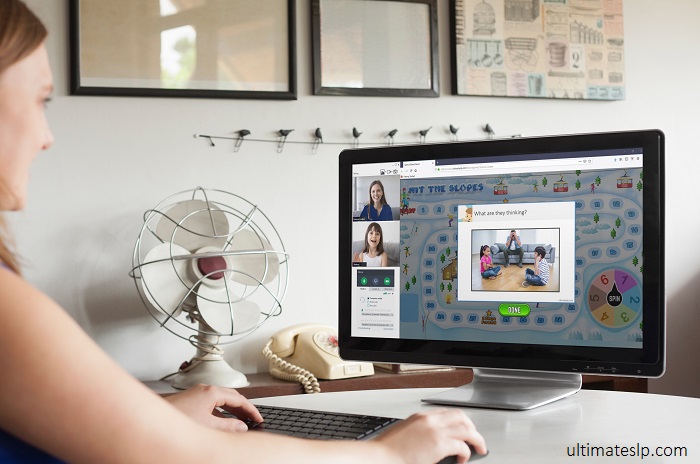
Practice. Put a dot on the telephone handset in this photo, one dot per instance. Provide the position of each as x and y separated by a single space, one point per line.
310 352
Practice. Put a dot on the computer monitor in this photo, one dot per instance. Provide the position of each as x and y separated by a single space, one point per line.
582 214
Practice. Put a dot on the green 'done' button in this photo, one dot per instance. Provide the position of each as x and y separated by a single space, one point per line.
514 309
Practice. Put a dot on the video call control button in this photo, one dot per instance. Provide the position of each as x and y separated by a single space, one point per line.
363 281
514 309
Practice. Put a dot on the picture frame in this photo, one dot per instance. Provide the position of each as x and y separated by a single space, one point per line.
194 49
375 48
535 49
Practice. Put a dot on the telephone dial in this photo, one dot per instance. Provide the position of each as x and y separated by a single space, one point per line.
307 352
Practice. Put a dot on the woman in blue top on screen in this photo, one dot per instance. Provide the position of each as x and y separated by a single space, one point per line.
377 209
63 398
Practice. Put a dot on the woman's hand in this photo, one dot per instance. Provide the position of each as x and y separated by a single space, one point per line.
200 403
432 435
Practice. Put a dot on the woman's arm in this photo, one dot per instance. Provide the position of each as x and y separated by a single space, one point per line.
63 394
365 212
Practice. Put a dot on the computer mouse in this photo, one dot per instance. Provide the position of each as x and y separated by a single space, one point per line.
474 457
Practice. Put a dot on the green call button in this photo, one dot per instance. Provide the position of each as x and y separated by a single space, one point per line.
363 280
387 281
514 309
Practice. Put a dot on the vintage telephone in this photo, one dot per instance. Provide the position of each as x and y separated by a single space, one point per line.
310 352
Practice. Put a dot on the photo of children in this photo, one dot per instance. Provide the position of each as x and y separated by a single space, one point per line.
539 248
375 244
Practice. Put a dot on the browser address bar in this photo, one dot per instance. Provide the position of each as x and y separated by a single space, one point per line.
518 165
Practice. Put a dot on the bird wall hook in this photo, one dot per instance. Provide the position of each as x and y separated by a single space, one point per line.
390 136
283 133
318 140
239 141
453 132
423 133
355 137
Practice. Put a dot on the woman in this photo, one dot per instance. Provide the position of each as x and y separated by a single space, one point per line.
377 209
61 394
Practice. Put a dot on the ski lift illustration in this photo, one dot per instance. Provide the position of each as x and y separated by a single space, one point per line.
500 188
561 185
624 182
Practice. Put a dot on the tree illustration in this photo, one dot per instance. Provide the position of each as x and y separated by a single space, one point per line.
635 261
641 269
641 175
578 184
408 286
639 186
596 218
448 298
413 280
448 251
442 286
597 181
618 222
442 258
613 233
544 182
578 172
449 287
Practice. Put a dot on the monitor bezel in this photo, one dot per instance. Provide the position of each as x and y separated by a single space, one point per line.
649 361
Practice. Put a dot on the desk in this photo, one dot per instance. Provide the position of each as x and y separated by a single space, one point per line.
263 384
542 435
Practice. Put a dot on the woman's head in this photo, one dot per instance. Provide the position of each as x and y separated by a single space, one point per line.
25 85
376 193
374 239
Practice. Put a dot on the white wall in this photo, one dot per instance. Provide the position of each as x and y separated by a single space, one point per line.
115 157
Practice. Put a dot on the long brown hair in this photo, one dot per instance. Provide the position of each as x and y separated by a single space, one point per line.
21 32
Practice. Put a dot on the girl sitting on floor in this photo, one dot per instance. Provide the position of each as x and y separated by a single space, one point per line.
488 270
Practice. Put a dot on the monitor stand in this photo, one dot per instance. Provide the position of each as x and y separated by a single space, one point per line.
507 389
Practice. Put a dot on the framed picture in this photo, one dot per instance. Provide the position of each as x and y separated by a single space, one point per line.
538 48
183 48
375 48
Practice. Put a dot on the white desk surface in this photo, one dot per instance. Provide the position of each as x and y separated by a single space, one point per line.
549 433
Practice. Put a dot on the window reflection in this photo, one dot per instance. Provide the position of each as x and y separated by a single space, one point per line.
178 56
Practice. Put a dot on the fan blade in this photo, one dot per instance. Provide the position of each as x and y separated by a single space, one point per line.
165 280
213 305
194 224
251 259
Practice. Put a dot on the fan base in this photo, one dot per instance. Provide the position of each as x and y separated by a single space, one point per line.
210 372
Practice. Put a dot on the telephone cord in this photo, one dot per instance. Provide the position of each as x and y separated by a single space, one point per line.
286 371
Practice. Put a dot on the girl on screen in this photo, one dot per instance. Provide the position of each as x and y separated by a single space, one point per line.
377 209
488 270
373 253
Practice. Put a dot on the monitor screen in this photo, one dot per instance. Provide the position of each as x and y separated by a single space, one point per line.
535 254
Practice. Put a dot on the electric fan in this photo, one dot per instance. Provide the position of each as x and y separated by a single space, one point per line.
210 268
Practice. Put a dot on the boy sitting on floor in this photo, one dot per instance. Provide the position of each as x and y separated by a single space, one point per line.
540 275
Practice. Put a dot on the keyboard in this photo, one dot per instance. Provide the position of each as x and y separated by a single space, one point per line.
324 425
320 425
